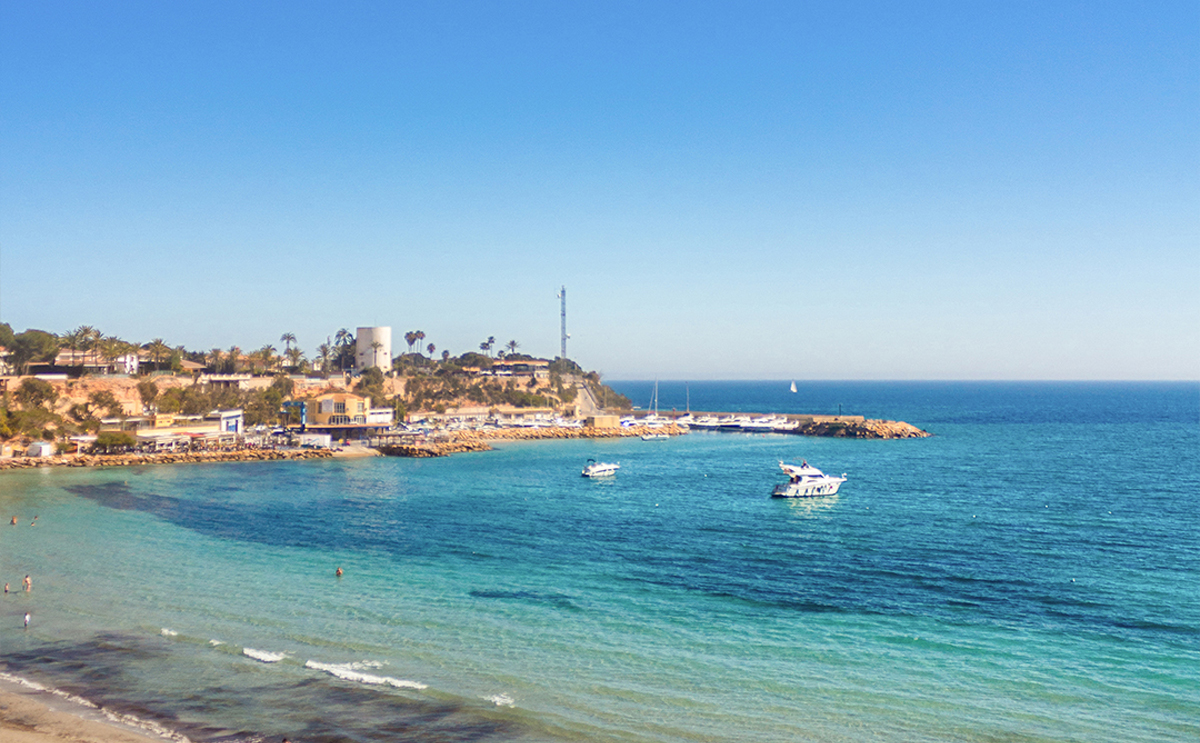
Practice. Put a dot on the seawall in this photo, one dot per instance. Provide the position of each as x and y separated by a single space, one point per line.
128 460
463 441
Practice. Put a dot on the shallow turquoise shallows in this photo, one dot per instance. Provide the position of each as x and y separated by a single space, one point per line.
1030 573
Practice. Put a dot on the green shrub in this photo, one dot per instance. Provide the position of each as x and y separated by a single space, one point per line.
108 441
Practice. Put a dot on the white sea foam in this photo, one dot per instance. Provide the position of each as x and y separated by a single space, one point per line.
169 632
35 686
501 700
263 655
146 725
130 721
352 672
215 643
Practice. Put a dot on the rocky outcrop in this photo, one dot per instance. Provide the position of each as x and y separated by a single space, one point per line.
862 429
424 449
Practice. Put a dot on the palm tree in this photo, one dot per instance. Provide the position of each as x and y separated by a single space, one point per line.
287 339
420 336
73 341
267 355
214 359
342 340
324 353
235 358
375 346
487 345
157 348
83 338
111 348
92 336
295 356
512 347
431 348
410 338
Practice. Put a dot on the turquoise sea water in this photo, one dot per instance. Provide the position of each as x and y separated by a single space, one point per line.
1030 573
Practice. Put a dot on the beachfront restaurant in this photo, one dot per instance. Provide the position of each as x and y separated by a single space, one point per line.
171 432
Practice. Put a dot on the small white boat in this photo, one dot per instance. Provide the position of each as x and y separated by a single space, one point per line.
655 437
806 481
600 469
793 386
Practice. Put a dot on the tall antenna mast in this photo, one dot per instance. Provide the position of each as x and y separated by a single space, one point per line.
563 296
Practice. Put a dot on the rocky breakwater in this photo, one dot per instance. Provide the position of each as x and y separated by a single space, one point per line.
129 460
431 448
478 440
861 429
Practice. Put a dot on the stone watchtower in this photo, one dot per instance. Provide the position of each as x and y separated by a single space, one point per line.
368 353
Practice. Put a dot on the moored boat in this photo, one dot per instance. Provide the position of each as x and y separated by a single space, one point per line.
806 481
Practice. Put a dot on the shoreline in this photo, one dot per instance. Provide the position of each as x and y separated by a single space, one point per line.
197 457
33 713
453 442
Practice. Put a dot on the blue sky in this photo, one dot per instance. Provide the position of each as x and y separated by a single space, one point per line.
728 190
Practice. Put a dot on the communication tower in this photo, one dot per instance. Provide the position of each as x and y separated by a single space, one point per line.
563 296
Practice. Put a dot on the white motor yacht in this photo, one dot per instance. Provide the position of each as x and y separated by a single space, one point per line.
600 469
806 481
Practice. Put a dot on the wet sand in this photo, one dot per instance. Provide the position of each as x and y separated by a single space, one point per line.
32 716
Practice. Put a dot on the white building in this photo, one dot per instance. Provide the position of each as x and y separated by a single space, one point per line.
368 353
41 449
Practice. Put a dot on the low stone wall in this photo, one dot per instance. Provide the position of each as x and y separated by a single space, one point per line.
127 460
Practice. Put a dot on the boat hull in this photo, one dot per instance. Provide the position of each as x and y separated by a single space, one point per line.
806 489
805 481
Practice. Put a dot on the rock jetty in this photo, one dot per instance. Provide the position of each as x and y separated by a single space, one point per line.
862 429
463 441
129 460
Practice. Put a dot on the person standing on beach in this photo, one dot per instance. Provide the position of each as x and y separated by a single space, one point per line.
14 521
6 588
26 620
28 583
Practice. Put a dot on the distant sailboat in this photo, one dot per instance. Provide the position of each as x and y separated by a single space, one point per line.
793 386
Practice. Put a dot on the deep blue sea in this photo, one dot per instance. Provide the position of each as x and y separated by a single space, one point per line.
1030 573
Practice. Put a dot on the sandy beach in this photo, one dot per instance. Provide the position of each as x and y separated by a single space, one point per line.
29 715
